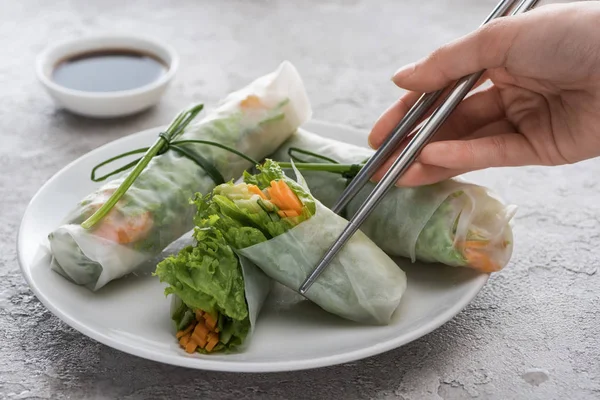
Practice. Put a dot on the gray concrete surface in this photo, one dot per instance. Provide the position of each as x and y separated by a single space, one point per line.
532 333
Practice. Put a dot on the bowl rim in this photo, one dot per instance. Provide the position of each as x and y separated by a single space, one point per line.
45 58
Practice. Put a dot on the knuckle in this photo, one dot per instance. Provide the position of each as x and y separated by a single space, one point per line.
500 154
470 154
436 55
493 38
436 60
493 27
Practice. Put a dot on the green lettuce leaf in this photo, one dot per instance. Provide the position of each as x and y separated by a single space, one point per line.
270 171
244 218
208 277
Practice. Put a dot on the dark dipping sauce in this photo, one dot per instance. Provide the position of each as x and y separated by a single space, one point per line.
108 70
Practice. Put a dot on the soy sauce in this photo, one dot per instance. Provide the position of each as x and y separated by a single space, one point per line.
108 70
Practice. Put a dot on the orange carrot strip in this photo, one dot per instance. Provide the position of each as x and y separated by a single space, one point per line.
289 197
277 196
477 244
184 340
199 314
185 331
288 213
282 195
213 339
199 340
211 322
191 347
274 197
480 261
274 189
477 258
254 189
201 331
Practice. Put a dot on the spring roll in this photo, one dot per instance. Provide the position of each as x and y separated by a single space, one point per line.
156 209
216 295
276 223
453 222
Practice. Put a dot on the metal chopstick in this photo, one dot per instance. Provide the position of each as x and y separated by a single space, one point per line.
404 160
404 127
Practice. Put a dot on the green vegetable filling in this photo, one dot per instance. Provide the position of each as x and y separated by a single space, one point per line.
208 277
246 218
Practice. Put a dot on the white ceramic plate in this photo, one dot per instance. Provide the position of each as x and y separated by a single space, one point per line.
132 314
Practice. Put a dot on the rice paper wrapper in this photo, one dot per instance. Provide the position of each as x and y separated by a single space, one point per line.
362 283
429 223
97 260
257 287
156 209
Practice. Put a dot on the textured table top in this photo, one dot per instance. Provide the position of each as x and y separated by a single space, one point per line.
532 333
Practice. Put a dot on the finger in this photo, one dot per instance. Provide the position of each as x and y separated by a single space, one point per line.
390 118
504 150
486 48
394 114
451 161
495 128
419 174
416 173
475 112
479 115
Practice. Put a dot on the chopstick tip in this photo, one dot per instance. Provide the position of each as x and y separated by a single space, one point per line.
304 288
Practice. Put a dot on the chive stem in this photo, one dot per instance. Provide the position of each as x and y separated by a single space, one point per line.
174 130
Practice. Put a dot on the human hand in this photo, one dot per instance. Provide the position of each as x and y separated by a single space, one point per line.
543 107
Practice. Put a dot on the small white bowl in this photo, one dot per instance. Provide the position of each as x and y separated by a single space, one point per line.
106 104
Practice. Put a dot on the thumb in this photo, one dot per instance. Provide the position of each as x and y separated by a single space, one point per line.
486 48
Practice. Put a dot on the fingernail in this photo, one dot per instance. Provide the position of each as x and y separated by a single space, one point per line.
370 143
404 72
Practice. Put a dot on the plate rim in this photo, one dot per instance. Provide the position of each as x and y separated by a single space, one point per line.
478 283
